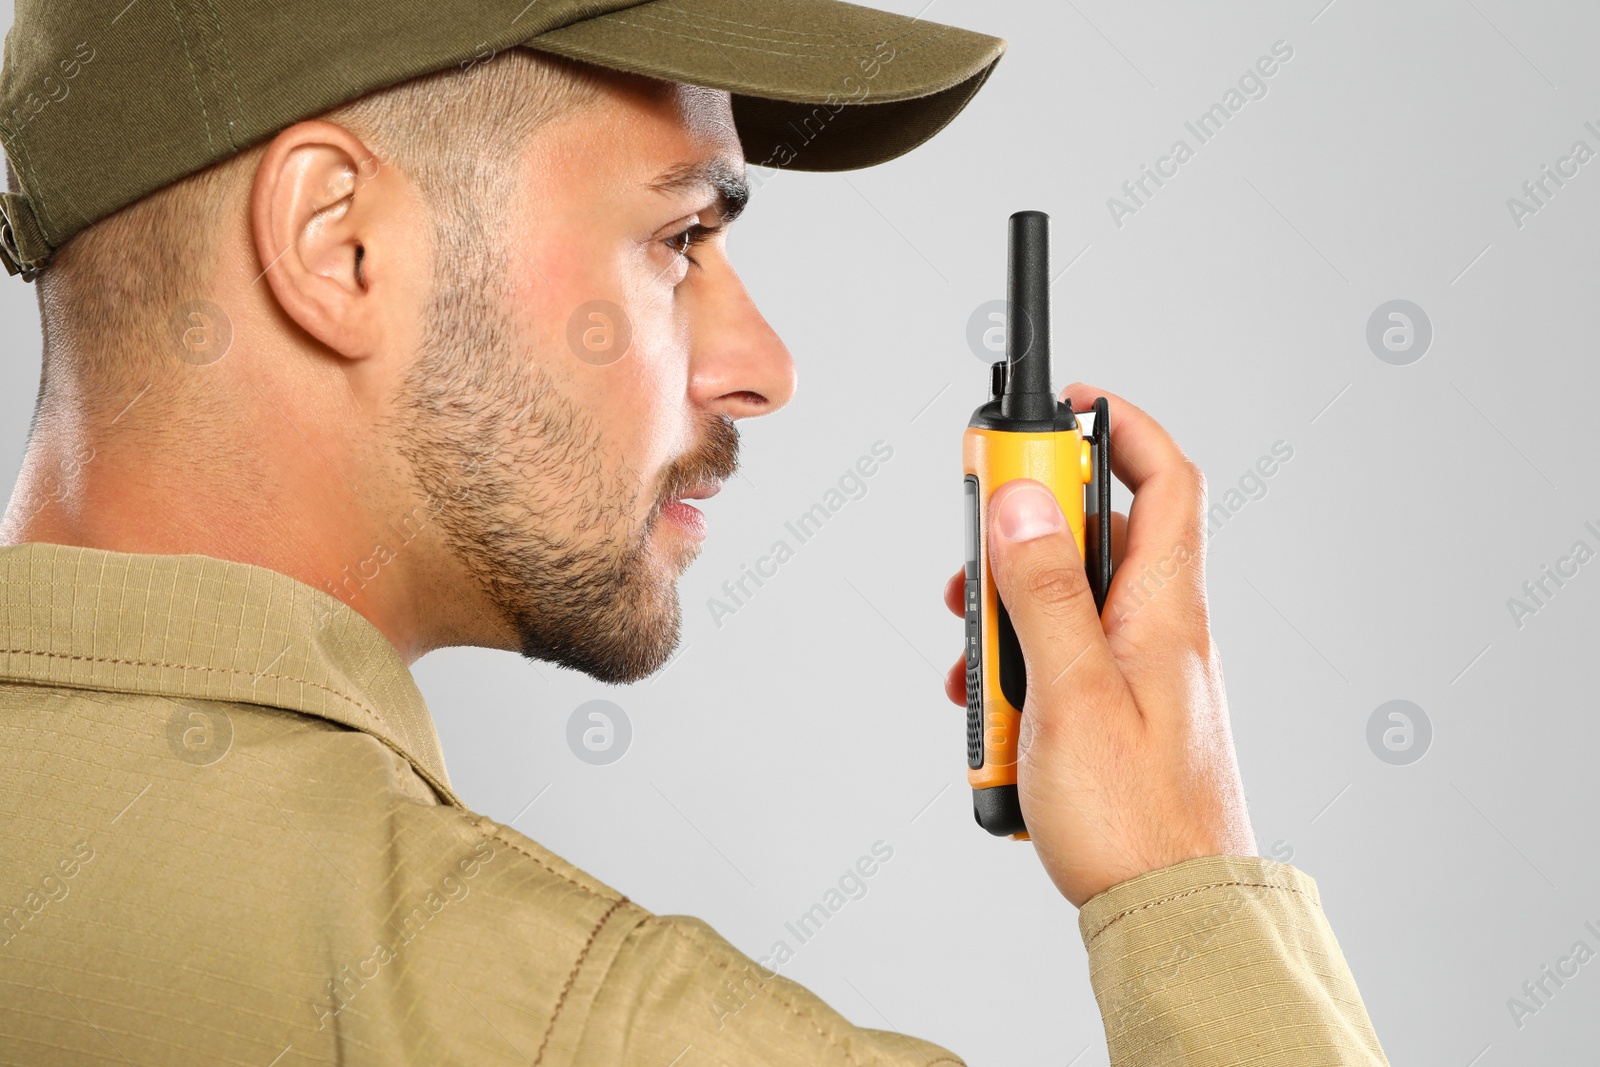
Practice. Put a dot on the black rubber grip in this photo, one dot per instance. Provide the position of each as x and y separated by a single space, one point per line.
998 810
1100 552
974 627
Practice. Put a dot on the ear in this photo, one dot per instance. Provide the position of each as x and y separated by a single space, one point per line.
325 217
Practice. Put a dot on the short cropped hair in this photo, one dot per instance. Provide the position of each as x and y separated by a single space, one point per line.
107 297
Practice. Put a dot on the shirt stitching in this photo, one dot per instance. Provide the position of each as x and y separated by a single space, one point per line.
438 785
572 976
619 901
189 667
495 834
1188 893
809 1017
688 935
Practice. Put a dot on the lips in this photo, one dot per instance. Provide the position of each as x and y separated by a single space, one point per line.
686 516
703 491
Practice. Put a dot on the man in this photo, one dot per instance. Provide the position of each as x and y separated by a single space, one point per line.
375 329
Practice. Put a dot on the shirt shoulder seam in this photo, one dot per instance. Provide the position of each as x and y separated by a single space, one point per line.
492 830
793 1009
545 864
572 975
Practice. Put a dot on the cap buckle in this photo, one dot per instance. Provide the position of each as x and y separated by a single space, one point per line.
10 253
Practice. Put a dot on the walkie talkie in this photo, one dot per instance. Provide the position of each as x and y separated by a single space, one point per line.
1022 431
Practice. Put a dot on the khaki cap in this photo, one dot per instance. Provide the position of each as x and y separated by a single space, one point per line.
105 101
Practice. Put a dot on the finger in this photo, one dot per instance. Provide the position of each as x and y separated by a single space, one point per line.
955 590
1119 535
1164 542
1039 575
1140 447
955 682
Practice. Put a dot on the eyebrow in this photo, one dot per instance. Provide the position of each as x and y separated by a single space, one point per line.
733 192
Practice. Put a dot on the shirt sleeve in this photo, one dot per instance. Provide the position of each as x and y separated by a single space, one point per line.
1226 960
678 993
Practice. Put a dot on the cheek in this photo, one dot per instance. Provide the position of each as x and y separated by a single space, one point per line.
538 316
637 407
648 397
635 403
566 295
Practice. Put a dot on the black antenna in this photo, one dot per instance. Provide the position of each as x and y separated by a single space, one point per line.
1027 391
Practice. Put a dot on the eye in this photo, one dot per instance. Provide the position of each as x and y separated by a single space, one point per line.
687 239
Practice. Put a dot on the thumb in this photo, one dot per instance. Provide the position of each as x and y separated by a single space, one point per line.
1039 575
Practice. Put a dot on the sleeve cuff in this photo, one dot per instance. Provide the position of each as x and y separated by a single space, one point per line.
1169 888
1223 960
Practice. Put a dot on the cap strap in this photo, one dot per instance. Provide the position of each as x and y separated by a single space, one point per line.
23 247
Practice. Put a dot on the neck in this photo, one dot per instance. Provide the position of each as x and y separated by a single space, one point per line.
262 482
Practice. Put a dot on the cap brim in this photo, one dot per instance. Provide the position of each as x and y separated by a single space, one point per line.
816 85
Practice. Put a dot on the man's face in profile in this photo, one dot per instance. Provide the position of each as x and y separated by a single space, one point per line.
586 351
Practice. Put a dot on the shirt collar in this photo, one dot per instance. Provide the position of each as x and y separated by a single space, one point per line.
201 628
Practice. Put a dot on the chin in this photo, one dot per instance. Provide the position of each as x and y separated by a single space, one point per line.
625 644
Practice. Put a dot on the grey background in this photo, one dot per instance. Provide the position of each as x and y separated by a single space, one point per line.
778 746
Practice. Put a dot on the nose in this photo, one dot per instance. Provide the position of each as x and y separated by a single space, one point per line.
739 365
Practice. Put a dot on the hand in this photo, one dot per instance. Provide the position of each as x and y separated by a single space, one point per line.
1125 759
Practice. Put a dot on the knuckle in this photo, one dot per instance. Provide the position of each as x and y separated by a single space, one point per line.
1054 587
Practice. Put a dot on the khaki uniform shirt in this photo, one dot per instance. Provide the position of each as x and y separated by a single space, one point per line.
228 838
